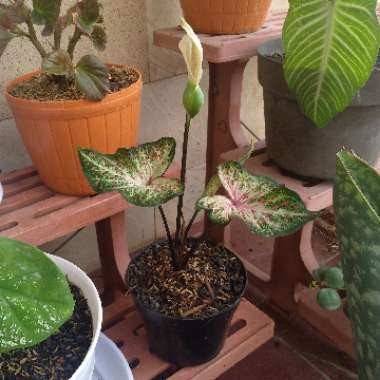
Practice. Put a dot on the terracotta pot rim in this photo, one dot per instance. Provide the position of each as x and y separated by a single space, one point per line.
69 103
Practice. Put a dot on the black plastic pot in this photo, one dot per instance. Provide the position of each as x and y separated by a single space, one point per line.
186 342
295 143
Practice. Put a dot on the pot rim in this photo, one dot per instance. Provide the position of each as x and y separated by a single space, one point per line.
158 314
67 267
69 103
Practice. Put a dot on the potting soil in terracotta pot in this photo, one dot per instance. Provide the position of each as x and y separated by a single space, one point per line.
295 143
187 312
59 356
54 120
225 16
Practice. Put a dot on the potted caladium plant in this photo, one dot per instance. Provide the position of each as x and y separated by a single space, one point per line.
188 289
321 86
357 279
50 316
68 102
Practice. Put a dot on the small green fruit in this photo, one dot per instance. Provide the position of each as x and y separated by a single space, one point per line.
193 99
329 299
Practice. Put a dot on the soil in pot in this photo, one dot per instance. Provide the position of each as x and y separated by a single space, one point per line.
187 312
45 87
58 357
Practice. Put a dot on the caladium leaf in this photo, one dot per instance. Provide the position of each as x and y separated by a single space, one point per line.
46 12
136 173
92 77
58 63
330 50
35 298
267 208
89 12
99 37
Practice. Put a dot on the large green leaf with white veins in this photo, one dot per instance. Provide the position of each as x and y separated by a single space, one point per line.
136 173
35 298
357 209
267 208
330 50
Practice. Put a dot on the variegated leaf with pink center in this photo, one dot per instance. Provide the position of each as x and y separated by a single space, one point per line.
136 173
267 208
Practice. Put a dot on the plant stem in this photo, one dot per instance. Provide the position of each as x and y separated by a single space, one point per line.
192 220
33 37
73 42
169 236
183 178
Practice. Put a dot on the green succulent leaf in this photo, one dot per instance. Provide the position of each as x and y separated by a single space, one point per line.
46 12
329 299
99 37
5 38
89 13
92 77
357 211
330 50
35 298
267 208
136 173
58 63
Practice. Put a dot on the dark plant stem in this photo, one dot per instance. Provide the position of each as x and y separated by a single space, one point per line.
192 220
169 236
73 42
58 36
183 179
32 35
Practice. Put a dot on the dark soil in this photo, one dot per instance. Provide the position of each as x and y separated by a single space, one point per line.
58 357
212 281
45 87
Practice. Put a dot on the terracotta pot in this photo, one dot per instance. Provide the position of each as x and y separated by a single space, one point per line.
53 131
225 16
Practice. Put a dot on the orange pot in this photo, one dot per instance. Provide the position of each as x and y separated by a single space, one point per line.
53 131
225 16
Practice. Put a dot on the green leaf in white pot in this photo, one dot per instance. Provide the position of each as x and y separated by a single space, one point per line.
267 208
58 63
136 173
330 50
35 298
92 77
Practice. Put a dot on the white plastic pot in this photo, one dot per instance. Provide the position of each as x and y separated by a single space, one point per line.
79 278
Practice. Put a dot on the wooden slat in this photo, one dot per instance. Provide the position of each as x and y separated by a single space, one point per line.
256 330
226 48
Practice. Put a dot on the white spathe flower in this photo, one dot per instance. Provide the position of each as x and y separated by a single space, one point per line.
192 51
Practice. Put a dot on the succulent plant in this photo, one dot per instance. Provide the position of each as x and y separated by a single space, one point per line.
19 20
267 208
330 47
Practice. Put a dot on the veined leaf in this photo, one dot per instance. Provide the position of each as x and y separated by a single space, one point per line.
330 50
99 37
46 12
89 12
268 209
136 173
35 298
58 63
92 77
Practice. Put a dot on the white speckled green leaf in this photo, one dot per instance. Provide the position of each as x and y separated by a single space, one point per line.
330 50
35 298
357 209
136 173
267 208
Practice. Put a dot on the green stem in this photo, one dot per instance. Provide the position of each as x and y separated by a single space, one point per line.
169 237
183 178
33 37
73 42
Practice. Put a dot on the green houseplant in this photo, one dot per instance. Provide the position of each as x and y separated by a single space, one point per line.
188 289
356 204
49 327
68 102
321 85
